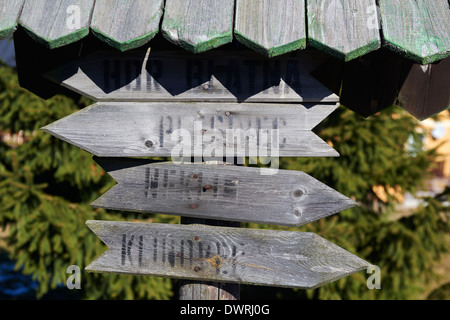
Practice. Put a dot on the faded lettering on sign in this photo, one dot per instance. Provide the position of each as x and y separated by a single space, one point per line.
163 184
176 75
195 254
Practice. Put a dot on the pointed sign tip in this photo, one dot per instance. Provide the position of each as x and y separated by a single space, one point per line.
94 226
90 223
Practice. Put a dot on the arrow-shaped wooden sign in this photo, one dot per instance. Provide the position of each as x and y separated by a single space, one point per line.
118 129
223 192
174 75
223 254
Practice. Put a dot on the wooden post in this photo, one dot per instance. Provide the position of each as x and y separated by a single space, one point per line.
207 290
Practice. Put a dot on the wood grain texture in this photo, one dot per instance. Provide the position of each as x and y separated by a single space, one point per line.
9 15
346 29
55 23
250 256
208 290
269 27
417 29
128 24
426 91
121 129
198 25
219 76
222 192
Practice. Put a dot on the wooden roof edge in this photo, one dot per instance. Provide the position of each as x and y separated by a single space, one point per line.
267 52
424 42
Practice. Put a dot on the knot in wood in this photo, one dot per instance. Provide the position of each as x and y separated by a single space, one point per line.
298 212
298 193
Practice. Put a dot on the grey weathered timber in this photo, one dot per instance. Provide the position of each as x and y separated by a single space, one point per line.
346 29
126 25
144 129
250 256
198 25
417 29
223 192
161 75
426 90
270 27
208 290
55 23
9 14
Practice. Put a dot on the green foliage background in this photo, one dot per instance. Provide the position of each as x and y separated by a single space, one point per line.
46 186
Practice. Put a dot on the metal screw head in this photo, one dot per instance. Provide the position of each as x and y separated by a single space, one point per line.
149 143
228 113
205 86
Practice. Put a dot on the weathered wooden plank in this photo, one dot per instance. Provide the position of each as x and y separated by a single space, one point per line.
270 28
259 257
198 25
121 129
417 29
55 23
9 14
346 29
126 25
223 192
163 75
426 90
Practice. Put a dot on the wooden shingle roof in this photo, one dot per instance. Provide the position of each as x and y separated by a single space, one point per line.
416 29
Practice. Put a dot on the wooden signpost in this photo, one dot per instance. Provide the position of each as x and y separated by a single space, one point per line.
210 107
262 257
